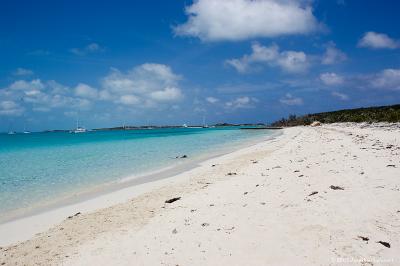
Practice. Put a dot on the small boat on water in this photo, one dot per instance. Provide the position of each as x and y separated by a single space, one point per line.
11 133
78 129
26 131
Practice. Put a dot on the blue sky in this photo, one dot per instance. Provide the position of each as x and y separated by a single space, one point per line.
173 62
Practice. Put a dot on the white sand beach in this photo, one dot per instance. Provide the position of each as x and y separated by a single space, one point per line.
327 195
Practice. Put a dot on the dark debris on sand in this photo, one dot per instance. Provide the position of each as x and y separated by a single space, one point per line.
172 200
72 216
386 244
364 238
336 187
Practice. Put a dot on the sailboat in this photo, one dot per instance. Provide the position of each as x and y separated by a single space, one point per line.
26 131
10 131
78 129
204 122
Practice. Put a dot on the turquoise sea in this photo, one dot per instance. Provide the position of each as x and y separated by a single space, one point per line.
39 168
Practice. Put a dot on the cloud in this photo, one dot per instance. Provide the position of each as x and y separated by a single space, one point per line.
147 85
288 61
233 20
331 79
22 72
85 91
129 100
37 95
90 48
376 40
10 108
167 94
339 95
290 100
333 55
386 79
241 102
23 85
212 100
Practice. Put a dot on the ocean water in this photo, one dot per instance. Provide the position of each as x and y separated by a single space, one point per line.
39 168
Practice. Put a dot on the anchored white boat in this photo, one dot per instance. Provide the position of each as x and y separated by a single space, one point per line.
78 129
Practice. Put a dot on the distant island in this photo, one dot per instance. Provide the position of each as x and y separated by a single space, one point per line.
130 127
389 113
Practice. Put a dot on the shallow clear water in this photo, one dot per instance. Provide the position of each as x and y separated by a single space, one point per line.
42 167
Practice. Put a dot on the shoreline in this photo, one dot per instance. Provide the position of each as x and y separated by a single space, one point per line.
105 195
311 196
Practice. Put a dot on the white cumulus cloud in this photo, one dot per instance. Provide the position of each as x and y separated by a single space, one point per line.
331 79
23 72
386 79
289 99
86 91
340 95
241 102
212 100
333 55
10 108
377 40
38 95
148 84
288 61
232 20
90 48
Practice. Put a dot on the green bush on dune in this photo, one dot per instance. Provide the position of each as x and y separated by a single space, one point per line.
370 114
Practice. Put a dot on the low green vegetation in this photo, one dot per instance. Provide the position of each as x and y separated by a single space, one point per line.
370 114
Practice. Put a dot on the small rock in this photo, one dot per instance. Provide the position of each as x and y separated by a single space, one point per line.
174 231
205 224
390 165
231 173
313 193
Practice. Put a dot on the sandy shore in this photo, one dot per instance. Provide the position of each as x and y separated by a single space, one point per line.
313 196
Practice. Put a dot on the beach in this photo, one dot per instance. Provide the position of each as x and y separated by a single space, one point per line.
326 195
